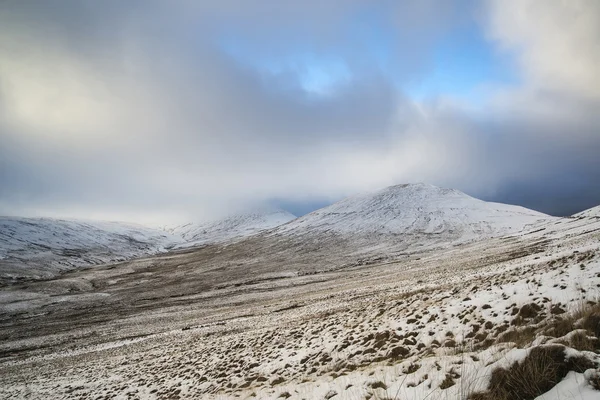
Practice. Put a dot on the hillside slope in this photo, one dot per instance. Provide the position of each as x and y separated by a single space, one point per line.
593 212
43 247
385 226
232 227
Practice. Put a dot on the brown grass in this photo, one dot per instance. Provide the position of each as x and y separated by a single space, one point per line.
581 341
586 316
539 372
521 337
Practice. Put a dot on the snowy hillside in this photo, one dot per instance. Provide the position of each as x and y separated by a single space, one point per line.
42 247
233 227
417 209
593 212
387 225
380 225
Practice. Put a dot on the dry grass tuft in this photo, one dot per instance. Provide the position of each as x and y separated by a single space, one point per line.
447 382
539 372
521 337
590 320
581 341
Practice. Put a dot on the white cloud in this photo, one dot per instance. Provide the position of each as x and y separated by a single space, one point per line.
557 42
130 110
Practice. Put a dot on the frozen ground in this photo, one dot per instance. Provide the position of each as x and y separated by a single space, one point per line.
279 316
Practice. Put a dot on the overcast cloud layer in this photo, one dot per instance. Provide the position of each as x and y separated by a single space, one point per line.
159 111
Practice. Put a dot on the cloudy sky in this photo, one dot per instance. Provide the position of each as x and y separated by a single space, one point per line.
161 111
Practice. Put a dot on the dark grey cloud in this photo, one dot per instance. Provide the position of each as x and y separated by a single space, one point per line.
549 164
134 110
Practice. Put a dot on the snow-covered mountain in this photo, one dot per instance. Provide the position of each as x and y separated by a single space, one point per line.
232 227
416 209
42 247
386 225
381 224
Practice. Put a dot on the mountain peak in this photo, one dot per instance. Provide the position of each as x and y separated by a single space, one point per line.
417 209
421 188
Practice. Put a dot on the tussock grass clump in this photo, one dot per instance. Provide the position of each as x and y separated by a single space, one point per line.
587 317
579 340
590 320
540 371
378 385
560 327
521 337
447 382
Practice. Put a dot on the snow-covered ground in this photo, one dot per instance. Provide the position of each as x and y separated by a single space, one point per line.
229 321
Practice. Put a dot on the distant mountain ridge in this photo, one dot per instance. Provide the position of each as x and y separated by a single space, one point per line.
386 223
593 212
235 226
43 247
